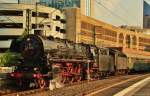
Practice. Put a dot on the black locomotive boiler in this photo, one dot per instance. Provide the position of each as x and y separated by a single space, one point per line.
44 58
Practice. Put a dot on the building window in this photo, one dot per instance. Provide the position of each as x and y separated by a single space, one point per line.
49 26
88 8
40 14
34 26
7 37
11 13
57 28
62 31
11 25
63 21
57 17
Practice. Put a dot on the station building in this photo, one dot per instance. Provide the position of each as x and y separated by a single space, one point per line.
18 19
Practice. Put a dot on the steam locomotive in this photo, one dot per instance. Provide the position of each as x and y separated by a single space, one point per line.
44 59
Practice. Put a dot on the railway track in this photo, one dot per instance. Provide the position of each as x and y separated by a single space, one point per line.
16 92
79 88
28 92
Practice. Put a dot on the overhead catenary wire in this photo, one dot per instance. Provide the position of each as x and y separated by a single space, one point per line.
124 9
114 14
12 21
8 17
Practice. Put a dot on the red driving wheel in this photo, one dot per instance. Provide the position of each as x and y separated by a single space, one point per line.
41 83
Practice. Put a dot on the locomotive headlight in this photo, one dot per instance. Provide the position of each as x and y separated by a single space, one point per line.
35 69
28 39
34 75
37 75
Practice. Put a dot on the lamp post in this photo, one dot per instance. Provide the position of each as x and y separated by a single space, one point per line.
94 35
37 14
36 18
37 22
18 1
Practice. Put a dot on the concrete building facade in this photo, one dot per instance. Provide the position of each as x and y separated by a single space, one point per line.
16 19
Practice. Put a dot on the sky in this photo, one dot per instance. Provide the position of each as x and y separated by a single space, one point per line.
146 9
120 12
148 1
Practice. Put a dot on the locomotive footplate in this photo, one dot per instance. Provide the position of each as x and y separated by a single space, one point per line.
70 60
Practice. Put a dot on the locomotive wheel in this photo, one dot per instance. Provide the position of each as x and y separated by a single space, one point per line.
36 83
78 78
20 83
100 75
64 79
68 79
41 83
72 79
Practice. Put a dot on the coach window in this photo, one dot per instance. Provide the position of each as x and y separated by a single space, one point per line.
11 25
11 13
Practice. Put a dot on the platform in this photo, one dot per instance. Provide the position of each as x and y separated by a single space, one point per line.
141 88
144 91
